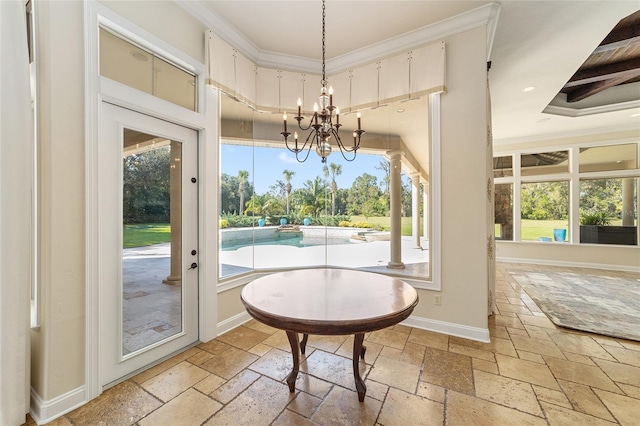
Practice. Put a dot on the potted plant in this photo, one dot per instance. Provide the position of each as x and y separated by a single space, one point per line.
596 228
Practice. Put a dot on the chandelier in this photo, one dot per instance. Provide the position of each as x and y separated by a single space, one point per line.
321 123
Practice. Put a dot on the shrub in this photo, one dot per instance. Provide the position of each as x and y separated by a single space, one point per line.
595 218
224 223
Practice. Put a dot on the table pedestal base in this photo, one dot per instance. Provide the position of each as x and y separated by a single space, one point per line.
297 347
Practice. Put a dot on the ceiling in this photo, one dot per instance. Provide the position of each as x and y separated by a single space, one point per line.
540 44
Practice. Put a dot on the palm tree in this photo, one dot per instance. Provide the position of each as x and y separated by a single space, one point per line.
288 174
336 170
242 178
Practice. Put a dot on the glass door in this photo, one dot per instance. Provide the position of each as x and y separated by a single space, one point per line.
149 278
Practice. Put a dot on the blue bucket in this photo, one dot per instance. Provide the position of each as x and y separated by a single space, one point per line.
559 235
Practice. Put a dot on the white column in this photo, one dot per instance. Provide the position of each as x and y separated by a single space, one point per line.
395 191
415 209
175 204
425 211
627 201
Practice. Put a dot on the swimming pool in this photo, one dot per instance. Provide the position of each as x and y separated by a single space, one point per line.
281 240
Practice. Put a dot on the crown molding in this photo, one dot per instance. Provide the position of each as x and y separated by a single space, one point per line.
484 15
581 112
566 135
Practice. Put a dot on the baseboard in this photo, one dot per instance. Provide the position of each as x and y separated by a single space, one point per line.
233 322
45 411
452 329
605 266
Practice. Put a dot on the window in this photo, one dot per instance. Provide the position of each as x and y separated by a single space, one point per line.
544 211
609 211
503 211
277 213
605 195
502 166
544 163
608 158
122 61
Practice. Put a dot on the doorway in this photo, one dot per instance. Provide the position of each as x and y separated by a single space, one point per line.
148 231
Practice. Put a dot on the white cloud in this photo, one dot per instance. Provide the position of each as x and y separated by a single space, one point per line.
286 158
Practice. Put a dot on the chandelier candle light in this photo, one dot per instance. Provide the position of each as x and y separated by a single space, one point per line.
321 122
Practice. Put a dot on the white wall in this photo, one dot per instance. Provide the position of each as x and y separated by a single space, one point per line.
464 176
58 346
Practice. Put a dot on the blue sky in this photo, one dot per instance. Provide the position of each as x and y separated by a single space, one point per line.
270 162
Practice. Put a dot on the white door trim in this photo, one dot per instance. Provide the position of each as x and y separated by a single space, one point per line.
98 89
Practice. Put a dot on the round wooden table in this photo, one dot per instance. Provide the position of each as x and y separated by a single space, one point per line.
328 301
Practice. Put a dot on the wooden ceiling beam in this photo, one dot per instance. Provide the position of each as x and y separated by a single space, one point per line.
591 89
624 69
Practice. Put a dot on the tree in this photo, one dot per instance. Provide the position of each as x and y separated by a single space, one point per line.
364 188
288 174
146 187
242 178
385 166
311 199
336 170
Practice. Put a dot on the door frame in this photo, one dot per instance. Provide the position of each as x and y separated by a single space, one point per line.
115 363
99 89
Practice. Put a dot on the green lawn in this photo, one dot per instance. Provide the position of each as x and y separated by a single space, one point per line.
531 230
385 223
146 234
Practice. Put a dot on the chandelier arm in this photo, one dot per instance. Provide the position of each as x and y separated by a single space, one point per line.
304 129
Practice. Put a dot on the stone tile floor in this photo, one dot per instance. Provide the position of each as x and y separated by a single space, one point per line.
532 373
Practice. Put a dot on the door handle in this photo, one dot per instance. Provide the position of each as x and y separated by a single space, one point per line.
194 265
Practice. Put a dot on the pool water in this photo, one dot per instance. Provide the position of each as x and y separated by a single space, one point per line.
295 241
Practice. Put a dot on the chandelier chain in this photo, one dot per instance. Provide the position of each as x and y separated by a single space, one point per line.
324 78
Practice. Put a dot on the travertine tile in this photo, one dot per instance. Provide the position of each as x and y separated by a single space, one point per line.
174 381
327 343
625 356
632 391
505 391
388 337
395 373
472 352
560 416
235 386
214 346
489 367
260 404
529 356
432 392
257 325
209 384
526 371
341 407
332 368
289 418
580 373
537 321
165 365
279 340
622 373
413 353
471 411
259 349
404 408
580 344
541 347
585 400
304 404
276 364
312 385
626 410
229 363
200 357
188 408
376 390
123 404
449 370
243 337
371 353
552 396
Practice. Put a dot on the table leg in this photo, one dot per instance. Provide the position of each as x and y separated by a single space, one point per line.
357 352
303 343
295 351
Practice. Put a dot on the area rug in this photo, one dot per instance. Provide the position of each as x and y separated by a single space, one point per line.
597 304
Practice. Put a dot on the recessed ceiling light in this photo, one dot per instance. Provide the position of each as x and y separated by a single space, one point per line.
529 89
400 110
139 56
